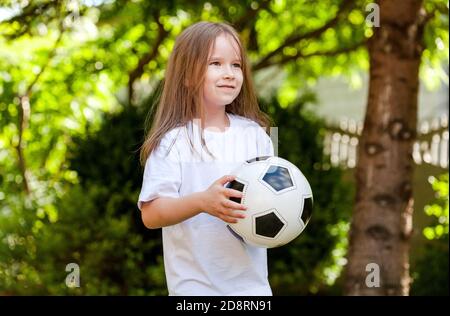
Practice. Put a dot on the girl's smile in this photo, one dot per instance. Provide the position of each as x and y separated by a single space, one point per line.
227 88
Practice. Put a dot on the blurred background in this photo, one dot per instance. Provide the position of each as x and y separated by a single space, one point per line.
77 79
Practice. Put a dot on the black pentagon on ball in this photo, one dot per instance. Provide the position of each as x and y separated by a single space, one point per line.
268 225
278 178
235 185
261 158
307 209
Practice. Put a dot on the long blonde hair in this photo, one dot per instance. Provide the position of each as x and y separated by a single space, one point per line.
181 97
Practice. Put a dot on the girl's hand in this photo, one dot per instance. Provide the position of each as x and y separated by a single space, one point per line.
215 201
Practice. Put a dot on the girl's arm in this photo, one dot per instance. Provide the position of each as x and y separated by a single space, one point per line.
166 211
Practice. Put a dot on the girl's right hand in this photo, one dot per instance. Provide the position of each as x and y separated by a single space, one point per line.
216 202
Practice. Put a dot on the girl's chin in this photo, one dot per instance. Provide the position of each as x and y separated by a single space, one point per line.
219 104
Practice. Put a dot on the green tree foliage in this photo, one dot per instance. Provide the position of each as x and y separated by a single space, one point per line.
431 272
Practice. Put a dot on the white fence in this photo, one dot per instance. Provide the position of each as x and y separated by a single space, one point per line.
431 147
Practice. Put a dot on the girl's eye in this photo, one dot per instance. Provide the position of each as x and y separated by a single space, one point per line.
215 63
237 65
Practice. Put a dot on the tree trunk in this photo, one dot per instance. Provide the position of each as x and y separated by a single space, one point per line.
382 220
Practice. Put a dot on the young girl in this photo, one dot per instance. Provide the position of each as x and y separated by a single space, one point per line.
207 123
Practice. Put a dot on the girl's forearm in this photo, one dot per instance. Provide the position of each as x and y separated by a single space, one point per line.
166 211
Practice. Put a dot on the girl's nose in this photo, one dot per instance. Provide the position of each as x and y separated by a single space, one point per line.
228 73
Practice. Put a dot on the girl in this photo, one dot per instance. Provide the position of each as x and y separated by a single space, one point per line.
207 123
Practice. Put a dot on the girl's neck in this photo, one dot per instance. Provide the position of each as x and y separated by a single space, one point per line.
217 120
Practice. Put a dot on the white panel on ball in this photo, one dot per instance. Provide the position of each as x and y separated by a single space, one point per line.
278 198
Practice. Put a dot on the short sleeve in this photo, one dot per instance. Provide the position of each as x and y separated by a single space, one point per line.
162 174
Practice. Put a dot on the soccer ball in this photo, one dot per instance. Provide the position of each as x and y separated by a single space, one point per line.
279 201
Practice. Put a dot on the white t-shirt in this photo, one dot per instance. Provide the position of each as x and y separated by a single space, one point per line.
201 255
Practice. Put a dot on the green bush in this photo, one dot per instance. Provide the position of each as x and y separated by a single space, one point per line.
94 224
109 254
430 273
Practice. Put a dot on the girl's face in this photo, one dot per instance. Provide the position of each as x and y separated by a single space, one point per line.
223 78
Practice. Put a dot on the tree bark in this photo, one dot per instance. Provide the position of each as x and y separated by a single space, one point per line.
382 220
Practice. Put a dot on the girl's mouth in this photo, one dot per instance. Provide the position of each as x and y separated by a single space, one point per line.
227 87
